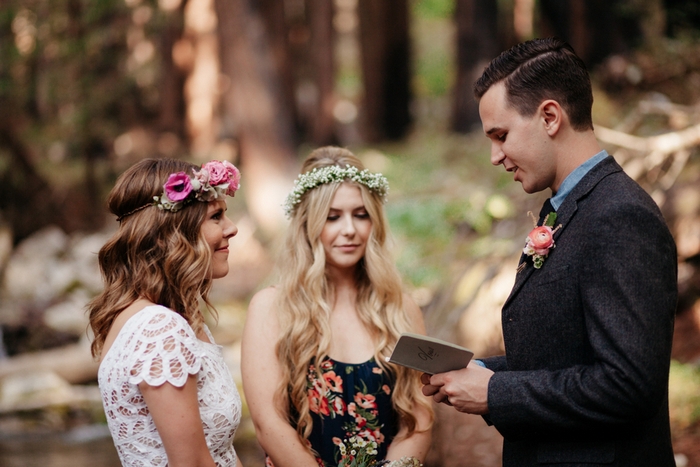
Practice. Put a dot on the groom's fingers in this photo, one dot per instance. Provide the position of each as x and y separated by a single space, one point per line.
425 378
429 390
441 398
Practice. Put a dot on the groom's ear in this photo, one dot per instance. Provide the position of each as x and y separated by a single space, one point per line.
552 116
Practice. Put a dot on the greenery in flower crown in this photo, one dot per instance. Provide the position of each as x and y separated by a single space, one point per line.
376 182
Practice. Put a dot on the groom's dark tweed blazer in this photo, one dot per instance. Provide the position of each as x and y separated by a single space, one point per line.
584 381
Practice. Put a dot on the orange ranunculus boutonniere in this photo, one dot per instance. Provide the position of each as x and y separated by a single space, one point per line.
541 239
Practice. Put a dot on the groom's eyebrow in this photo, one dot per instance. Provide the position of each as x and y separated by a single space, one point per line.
493 130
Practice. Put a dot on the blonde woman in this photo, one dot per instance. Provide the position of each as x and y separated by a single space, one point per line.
314 346
167 393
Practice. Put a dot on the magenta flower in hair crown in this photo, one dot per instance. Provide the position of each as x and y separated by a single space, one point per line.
215 180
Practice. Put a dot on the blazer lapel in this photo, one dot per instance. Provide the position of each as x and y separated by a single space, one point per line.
564 214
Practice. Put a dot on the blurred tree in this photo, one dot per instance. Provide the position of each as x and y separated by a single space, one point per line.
78 82
386 70
257 111
477 43
322 44
595 28
682 17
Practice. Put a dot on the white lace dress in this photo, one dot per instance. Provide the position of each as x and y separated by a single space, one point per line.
157 345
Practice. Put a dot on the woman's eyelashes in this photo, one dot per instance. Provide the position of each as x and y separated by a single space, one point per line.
358 215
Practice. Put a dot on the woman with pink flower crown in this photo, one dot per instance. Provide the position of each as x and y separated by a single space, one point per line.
168 395
319 390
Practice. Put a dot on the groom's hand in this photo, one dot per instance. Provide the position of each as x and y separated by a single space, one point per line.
466 390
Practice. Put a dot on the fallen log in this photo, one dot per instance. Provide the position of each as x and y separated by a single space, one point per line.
72 363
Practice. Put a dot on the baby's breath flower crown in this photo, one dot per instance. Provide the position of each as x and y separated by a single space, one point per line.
376 182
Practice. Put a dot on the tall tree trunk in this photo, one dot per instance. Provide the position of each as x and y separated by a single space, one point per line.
172 104
477 44
320 13
255 111
273 15
385 51
594 28
202 83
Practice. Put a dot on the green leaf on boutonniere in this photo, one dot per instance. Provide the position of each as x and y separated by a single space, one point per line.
550 219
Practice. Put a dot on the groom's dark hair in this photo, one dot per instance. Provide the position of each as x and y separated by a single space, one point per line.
541 69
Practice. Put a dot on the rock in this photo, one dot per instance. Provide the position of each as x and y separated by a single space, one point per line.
41 388
35 270
69 316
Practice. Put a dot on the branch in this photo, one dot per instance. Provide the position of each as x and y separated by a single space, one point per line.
665 144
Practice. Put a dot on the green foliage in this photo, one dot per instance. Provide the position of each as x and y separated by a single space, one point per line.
433 54
684 395
433 8
434 74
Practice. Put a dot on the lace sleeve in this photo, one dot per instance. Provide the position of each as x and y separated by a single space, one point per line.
163 348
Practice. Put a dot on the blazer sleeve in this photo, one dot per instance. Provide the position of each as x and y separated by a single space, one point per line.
497 363
626 293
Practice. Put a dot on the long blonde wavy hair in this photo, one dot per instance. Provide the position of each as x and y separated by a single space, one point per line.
306 298
157 255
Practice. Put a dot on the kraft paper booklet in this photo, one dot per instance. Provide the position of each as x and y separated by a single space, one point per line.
428 354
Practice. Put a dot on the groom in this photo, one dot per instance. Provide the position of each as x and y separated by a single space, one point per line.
589 322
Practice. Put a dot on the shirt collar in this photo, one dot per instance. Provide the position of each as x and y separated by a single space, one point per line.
574 177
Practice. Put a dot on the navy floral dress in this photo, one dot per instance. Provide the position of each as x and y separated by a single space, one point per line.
356 402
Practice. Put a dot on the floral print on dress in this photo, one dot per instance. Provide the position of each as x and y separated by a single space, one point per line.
346 400
358 406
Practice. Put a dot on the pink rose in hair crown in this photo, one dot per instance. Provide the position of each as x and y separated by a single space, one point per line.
218 174
541 239
234 178
178 186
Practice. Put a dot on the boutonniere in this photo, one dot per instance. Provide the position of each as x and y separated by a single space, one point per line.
541 239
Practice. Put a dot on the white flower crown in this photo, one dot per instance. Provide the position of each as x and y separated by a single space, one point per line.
376 182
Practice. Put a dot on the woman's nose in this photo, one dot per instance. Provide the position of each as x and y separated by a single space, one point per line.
230 229
348 225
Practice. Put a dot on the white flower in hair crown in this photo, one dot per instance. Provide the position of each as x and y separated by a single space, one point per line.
376 182
215 180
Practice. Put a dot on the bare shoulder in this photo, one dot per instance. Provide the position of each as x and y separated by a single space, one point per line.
263 300
261 316
261 325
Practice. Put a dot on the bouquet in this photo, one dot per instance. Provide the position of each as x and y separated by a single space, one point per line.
358 452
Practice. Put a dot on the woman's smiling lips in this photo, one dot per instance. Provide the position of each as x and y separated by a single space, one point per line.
347 248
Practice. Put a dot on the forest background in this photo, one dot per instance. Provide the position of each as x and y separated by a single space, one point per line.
89 87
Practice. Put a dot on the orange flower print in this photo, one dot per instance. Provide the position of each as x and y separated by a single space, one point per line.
338 406
360 421
317 404
366 401
368 435
376 370
334 382
378 436
386 389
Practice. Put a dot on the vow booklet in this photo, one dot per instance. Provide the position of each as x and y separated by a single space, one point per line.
428 354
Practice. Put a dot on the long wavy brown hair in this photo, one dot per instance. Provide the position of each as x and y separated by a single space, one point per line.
156 255
305 298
